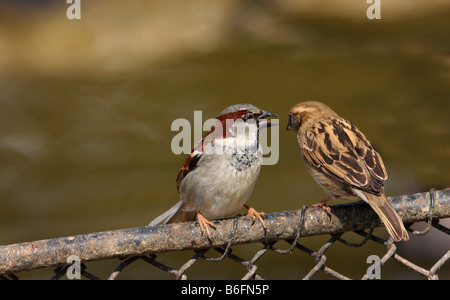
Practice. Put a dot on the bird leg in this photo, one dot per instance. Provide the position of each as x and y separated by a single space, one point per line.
255 215
323 204
204 224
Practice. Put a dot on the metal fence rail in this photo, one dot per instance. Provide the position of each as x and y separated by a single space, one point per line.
146 243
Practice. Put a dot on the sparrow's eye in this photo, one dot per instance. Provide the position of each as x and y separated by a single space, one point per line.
248 116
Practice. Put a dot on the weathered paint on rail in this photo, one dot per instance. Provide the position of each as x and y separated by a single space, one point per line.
184 236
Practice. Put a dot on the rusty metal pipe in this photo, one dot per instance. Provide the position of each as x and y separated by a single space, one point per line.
184 236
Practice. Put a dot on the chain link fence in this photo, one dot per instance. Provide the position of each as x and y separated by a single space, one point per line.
70 256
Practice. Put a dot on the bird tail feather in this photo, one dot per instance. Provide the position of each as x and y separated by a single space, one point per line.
387 214
165 217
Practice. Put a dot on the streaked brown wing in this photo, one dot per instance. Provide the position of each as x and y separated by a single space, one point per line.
196 153
190 163
345 154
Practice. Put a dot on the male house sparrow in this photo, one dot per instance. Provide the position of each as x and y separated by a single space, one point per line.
221 172
343 161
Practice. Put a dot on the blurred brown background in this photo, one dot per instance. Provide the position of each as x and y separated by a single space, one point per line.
86 107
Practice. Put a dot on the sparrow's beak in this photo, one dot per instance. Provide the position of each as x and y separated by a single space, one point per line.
266 114
289 124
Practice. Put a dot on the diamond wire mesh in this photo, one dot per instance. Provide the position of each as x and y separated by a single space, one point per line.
433 213
319 257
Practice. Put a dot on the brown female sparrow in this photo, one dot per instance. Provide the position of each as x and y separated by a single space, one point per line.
343 161
221 172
